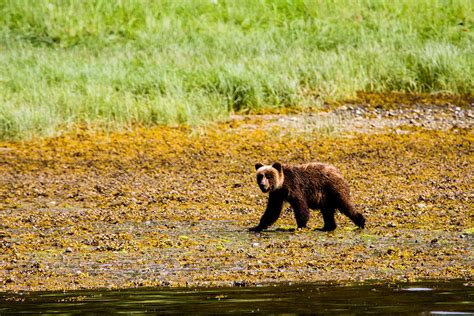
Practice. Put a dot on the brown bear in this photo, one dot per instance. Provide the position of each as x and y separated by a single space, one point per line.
310 186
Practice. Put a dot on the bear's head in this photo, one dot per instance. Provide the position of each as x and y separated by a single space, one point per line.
269 178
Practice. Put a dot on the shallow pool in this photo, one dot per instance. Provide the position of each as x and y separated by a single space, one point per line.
434 297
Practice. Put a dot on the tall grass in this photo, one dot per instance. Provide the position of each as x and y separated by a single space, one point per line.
118 63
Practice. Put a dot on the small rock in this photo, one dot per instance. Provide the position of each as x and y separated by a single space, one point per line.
434 240
10 280
68 250
240 283
255 244
421 205
390 224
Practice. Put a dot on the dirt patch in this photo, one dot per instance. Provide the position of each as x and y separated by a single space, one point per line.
171 206
361 118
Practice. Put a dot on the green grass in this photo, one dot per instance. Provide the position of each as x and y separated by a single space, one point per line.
113 64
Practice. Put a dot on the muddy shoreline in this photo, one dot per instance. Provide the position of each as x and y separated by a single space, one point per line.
171 206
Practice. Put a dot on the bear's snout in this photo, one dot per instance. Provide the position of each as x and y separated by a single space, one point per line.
264 188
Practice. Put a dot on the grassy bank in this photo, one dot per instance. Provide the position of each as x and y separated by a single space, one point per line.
113 64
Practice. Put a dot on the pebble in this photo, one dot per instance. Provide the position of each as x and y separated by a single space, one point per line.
421 205
68 250
255 244
240 283
10 280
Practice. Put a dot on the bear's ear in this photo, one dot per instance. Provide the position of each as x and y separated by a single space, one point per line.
277 166
258 166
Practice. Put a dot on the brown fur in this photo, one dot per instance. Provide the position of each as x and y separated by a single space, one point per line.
310 186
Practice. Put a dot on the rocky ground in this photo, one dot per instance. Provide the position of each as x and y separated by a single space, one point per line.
171 206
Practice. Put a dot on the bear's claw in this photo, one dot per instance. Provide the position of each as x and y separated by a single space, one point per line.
255 229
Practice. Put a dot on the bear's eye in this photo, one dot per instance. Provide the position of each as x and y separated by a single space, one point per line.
269 176
259 178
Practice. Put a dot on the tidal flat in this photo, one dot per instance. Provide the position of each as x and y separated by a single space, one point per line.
170 206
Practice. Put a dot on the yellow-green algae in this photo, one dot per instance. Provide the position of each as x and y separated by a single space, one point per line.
171 206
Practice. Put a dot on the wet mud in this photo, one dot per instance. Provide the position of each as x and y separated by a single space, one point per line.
169 206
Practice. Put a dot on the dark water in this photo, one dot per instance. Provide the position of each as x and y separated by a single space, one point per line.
427 298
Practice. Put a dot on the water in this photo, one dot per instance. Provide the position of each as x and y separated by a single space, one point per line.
427 298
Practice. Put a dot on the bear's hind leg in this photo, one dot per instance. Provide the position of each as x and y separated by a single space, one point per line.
347 208
329 222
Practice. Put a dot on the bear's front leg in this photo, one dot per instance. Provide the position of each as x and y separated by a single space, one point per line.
301 212
329 222
272 212
256 229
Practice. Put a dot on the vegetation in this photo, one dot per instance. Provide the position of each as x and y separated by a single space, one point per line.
113 64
